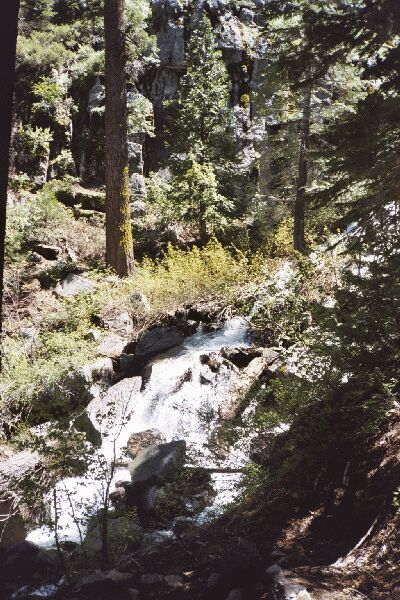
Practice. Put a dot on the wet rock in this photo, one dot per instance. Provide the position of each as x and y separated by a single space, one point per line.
48 252
118 495
235 595
146 375
129 365
73 285
109 411
25 559
282 588
174 581
158 340
104 585
143 439
163 461
83 424
248 376
241 357
151 579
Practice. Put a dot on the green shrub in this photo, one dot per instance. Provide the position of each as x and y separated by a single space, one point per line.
40 380
20 182
29 220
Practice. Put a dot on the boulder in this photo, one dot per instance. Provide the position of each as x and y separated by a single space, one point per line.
83 424
140 301
129 365
73 285
158 340
143 439
120 322
248 376
241 357
121 531
282 588
107 412
101 370
87 199
151 578
48 252
104 585
162 462
112 345
174 581
24 560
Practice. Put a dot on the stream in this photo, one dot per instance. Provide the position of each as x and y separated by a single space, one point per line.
180 397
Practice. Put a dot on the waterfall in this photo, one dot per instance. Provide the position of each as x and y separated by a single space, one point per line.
180 397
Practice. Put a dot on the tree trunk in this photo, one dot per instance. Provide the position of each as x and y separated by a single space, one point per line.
302 177
8 41
119 243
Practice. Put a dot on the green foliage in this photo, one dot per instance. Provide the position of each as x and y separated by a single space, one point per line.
202 117
34 140
35 13
19 182
140 116
42 51
42 381
196 198
299 59
64 164
27 221
245 101
52 101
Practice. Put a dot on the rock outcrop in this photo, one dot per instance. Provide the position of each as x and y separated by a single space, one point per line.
237 27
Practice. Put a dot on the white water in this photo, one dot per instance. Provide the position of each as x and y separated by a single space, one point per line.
181 399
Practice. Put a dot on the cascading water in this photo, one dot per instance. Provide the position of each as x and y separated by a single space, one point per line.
181 399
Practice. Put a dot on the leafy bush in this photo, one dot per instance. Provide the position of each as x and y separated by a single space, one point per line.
20 182
29 220
40 380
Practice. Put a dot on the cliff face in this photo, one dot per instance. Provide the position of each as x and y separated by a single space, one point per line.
237 27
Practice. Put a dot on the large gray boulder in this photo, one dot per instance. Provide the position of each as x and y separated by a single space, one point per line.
162 462
73 285
17 469
158 340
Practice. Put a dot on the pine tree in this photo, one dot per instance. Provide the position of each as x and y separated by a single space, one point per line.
299 85
119 243
200 131
202 113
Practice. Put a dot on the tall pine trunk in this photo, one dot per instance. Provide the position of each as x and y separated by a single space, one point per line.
119 243
299 242
8 41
